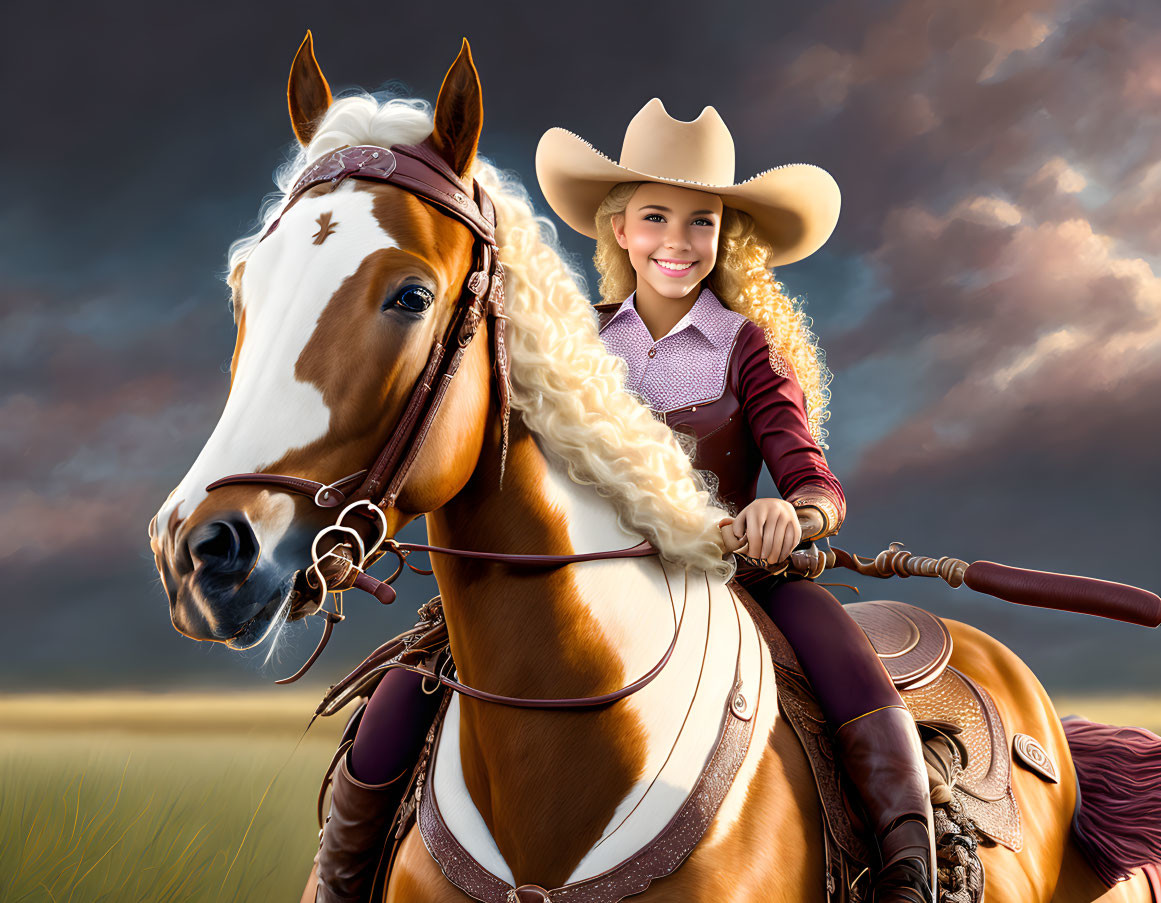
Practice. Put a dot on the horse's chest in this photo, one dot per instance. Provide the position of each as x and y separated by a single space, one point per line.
671 815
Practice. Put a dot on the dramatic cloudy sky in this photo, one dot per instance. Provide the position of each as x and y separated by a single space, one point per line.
989 300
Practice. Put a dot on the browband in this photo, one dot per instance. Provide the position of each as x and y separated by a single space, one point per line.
416 168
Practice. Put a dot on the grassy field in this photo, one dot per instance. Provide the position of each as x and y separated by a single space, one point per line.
148 798
153 798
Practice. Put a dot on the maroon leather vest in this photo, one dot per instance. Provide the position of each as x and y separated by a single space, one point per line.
725 445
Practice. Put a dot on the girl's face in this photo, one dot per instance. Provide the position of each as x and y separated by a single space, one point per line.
671 235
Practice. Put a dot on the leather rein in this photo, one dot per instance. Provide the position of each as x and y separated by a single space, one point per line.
420 170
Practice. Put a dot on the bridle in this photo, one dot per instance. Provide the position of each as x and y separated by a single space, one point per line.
420 170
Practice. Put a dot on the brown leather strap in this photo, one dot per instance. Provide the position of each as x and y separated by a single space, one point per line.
385 593
416 168
641 550
566 702
393 451
574 702
326 495
328 628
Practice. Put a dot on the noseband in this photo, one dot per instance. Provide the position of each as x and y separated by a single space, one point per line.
420 170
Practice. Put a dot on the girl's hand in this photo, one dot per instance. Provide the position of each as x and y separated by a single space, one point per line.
766 529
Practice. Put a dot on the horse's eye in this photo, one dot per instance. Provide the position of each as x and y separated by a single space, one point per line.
413 298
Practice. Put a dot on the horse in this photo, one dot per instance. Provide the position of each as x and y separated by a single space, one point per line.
336 311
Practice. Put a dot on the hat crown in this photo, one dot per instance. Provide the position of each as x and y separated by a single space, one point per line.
697 151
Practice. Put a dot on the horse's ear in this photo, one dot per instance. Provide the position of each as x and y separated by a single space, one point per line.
307 92
459 113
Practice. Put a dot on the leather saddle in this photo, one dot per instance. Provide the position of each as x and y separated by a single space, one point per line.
965 745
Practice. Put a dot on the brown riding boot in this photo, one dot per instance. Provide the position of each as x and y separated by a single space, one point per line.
884 758
353 834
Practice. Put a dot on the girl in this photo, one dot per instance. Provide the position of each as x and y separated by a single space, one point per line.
715 348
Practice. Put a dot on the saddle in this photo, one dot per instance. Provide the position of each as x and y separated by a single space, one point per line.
965 743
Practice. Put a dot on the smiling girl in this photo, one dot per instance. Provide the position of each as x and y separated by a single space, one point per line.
716 349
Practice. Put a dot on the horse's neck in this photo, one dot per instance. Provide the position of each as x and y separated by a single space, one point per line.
549 785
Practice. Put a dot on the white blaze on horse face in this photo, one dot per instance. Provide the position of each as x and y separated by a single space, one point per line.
286 286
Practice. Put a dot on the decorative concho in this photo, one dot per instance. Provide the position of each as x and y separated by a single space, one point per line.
1032 756
528 893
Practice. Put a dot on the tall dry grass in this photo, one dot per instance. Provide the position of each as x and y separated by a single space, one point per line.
153 798
149 798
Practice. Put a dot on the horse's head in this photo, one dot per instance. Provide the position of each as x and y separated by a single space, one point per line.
337 310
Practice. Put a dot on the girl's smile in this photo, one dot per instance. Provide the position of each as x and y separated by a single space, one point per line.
674 268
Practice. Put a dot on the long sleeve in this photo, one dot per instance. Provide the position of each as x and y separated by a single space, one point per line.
775 410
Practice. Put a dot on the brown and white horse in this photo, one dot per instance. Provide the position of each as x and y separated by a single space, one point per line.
332 334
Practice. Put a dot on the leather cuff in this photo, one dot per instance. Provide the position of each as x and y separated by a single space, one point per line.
823 501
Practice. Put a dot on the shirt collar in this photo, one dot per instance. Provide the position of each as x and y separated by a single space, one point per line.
706 314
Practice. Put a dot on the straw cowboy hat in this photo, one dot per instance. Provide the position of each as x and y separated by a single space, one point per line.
795 207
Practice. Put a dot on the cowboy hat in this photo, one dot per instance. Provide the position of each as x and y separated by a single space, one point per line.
795 206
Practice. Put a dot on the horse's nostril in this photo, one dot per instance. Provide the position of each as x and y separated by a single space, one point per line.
217 541
224 546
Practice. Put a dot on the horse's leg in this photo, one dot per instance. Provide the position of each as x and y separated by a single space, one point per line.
1029 876
1080 884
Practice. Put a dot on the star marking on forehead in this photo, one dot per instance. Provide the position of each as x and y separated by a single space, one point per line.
325 228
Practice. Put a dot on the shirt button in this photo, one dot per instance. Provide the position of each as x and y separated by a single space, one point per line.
653 352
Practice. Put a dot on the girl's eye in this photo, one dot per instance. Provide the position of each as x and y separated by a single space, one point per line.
702 221
654 218
413 298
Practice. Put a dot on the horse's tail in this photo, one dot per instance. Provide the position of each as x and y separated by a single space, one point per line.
1118 770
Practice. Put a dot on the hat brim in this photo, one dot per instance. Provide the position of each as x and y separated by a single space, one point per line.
795 207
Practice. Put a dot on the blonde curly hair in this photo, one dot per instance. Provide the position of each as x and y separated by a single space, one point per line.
743 279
